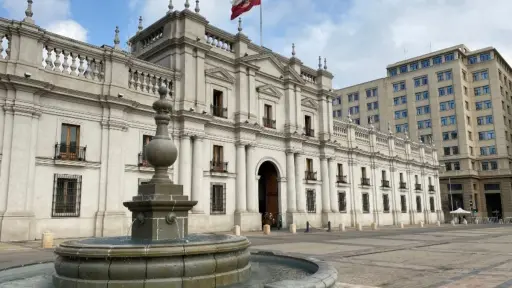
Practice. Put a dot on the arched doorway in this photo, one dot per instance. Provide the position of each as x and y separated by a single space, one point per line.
268 194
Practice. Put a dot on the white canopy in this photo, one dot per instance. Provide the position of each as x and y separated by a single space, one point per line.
460 211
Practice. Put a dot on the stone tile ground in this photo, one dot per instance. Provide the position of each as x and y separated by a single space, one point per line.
462 256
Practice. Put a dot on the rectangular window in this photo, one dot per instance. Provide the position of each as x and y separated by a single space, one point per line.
393 72
475 204
449 57
366 203
485 57
342 202
425 63
437 60
67 191
403 203
70 143
403 69
414 66
432 205
218 198
418 204
311 200
145 141
491 187
385 202
472 59
218 104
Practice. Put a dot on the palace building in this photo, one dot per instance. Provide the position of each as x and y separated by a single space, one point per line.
254 129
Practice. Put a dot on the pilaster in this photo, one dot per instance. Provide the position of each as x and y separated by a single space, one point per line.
184 158
290 176
299 185
197 175
332 185
241 200
326 206
252 195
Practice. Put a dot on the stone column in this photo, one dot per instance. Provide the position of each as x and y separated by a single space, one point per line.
326 206
240 179
197 175
252 196
185 171
332 185
290 175
299 185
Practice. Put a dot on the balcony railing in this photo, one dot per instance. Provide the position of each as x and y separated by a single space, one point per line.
142 161
403 185
431 188
269 123
69 152
341 179
217 166
385 183
310 175
309 132
417 187
365 181
219 111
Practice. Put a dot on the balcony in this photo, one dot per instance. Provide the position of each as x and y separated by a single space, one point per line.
69 152
269 123
341 179
219 111
417 187
431 188
403 185
385 183
365 181
310 175
309 132
216 166
142 161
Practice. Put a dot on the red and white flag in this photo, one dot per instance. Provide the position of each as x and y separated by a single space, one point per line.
242 6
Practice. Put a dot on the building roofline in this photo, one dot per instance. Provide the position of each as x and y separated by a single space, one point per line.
359 84
428 55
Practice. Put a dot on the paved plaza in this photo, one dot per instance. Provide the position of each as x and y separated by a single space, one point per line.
472 256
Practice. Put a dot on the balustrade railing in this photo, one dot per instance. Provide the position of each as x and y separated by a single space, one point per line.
219 111
218 166
143 162
431 188
385 183
417 187
309 175
82 63
69 152
269 123
365 181
309 132
219 39
341 179
403 185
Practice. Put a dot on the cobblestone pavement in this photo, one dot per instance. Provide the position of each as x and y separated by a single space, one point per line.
462 256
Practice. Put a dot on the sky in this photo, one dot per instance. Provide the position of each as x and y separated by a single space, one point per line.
359 38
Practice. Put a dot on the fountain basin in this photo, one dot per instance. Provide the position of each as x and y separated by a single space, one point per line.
268 269
199 260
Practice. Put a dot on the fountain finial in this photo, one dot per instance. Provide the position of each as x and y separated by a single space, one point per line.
293 49
187 4
325 64
29 13
161 151
197 9
319 62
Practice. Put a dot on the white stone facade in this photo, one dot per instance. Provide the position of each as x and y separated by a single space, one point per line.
73 183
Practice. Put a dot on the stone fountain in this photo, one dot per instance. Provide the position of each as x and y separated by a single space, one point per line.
160 252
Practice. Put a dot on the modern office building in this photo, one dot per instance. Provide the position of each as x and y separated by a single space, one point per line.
253 129
461 100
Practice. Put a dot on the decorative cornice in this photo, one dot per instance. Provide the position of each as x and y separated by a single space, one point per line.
308 102
221 74
270 90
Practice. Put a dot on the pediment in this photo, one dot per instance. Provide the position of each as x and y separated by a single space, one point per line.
221 74
270 90
308 102
269 64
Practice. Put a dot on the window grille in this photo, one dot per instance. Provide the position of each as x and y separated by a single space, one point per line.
311 201
218 198
403 203
385 202
342 202
366 203
66 195
418 204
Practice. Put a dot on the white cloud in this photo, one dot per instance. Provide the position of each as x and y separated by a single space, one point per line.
360 38
54 15
69 28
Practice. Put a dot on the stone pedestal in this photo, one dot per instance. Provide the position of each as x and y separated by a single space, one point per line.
375 226
266 229
401 225
47 240
159 211
248 221
359 227
422 224
342 227
438 223
236 230
297 218
293 228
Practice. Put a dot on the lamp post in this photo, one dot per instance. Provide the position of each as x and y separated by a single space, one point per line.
449 188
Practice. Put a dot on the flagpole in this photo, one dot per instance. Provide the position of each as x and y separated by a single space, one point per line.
261 23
